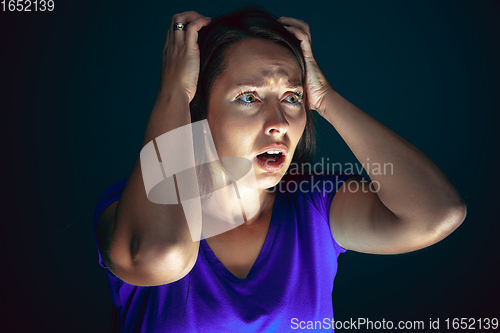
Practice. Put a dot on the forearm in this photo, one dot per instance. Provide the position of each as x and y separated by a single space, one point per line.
146 232
411 185
170 111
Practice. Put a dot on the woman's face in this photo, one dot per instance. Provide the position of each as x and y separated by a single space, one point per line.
256 109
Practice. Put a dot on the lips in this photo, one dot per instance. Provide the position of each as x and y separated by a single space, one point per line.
272 158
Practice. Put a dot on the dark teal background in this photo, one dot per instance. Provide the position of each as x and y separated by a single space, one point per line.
77 86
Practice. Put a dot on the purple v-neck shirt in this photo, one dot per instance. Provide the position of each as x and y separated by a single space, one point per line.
289 285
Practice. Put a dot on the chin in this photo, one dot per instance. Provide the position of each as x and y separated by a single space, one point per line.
267 181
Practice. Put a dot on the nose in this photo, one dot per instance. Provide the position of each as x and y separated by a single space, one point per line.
276 123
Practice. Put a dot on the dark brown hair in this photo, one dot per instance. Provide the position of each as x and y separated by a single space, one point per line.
228 29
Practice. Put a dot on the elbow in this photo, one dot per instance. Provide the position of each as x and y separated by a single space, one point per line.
448 221
153 267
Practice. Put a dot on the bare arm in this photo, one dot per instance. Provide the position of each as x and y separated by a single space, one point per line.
416 205
144 243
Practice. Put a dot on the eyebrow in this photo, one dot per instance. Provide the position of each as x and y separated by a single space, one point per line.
292 84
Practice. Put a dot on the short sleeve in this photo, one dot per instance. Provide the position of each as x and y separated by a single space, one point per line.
327 186
110 195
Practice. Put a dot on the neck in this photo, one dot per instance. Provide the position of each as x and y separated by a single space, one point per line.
224 206
266 202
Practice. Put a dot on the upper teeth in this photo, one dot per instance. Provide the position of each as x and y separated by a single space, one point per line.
273 152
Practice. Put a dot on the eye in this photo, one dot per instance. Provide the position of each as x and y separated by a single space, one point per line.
295 99
248 97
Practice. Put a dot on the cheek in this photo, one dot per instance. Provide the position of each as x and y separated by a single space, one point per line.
232 136
216 129
299 126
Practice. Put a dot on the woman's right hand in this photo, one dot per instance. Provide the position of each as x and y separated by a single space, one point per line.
181 55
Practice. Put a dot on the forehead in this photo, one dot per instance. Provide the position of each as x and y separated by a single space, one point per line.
259 62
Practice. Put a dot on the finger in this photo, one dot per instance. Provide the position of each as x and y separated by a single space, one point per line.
171 32
305 42
178 36
296 23
192 31
170 40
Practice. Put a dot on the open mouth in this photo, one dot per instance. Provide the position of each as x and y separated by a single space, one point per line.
271 161
270 156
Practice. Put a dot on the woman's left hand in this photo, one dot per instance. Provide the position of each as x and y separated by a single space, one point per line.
317 86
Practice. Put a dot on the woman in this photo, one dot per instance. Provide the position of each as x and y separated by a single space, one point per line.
256 86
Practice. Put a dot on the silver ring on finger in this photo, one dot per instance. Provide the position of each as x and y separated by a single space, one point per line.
180 26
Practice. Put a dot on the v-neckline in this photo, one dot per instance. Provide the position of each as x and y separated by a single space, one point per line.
268 243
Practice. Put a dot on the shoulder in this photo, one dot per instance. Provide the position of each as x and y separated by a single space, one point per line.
313 184
311 196
317 188
108 197
104 216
